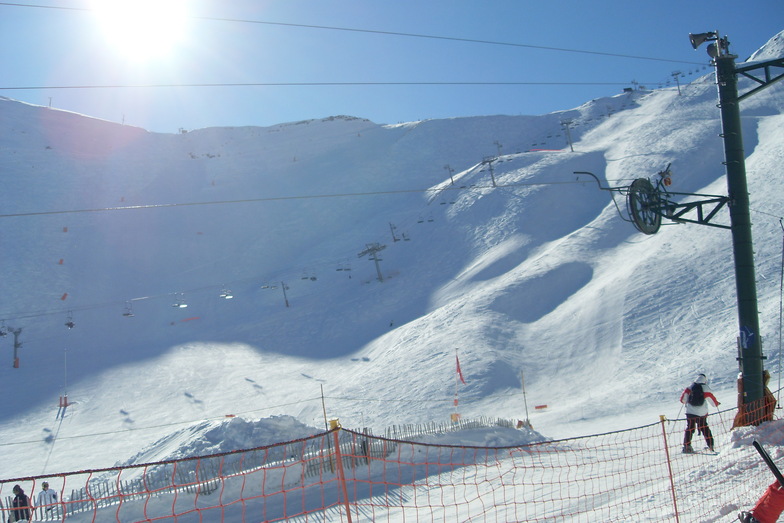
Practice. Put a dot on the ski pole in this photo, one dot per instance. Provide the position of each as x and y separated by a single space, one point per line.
721 418
676 418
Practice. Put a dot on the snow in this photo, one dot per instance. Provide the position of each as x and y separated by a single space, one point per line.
536 275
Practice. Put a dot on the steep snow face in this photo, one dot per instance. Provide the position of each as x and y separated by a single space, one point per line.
773 49
519 265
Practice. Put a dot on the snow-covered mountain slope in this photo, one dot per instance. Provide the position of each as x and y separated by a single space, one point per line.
525 267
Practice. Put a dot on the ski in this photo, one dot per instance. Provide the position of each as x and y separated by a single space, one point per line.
769 462
706 452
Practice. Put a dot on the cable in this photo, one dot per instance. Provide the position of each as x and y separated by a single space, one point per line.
394 33
436 190
293 84
269 199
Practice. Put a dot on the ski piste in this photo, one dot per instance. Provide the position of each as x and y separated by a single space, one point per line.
769 461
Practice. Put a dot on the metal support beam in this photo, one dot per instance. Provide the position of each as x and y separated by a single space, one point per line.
742 245
767 79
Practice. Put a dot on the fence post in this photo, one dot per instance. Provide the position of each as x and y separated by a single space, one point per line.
663 418
341 475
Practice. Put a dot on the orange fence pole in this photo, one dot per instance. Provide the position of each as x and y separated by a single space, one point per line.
662 418
341 475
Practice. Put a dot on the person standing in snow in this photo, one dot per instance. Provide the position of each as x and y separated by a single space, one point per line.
47 499
696 397
21 505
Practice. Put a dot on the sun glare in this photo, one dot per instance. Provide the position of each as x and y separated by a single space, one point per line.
142 30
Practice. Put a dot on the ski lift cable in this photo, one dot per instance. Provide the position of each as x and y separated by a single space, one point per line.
35 314
300 84
440 188
212 287
269 199
392 33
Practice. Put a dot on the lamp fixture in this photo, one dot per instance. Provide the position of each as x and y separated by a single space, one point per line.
716 49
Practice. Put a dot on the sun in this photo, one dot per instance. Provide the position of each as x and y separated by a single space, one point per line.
142 30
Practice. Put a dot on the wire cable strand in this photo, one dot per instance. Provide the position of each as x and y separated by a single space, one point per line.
296 84
272 199
394 33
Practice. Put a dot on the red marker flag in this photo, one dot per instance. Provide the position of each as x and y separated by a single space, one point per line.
459 372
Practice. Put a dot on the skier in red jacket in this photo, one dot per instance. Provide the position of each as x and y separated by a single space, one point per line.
696 398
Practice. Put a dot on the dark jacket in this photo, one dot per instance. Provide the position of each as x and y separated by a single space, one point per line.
21 506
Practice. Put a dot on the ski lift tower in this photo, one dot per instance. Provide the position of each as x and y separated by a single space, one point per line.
648 204
17 345
372 249
750 349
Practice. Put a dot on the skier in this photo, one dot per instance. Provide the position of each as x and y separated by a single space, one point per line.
21 505
47 499
768 507
695 396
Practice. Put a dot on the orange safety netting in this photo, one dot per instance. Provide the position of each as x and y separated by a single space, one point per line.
637 474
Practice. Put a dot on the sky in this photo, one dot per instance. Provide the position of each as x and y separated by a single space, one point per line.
385 61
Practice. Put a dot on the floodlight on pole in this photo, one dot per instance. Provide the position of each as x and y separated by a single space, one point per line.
718 48
697 39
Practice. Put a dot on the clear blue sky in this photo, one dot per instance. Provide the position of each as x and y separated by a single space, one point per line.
68 43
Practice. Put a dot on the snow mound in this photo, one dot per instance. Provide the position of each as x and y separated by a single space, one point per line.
215 437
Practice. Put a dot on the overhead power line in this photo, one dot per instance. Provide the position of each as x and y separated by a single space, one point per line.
293 84
451 38
394 33
271 199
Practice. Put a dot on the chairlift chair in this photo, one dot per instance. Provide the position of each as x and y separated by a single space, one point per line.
128 312
180 303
